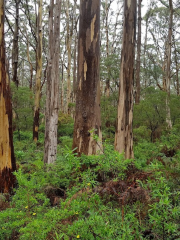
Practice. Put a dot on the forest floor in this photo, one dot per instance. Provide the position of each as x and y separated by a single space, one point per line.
94 197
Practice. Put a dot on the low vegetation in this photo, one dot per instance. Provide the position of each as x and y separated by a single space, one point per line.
96 197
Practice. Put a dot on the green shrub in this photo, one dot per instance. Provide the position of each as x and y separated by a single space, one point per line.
66 129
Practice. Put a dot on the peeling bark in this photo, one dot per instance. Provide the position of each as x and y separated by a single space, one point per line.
88 118
7 159
124 135
52 92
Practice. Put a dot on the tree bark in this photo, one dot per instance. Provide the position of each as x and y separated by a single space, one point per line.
124 135
168 64
38 74
88 118
15 49
138 60
68 46
107 7
75 69
177 66
7 159
52 100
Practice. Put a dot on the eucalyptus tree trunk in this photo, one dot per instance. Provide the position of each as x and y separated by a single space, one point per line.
15 48
30 63
62 88
138 60
124 135
7 159
52 93
38 73
145 47
68 46
87 115
107 7
168 67
167 72
75 68
177 65
70 26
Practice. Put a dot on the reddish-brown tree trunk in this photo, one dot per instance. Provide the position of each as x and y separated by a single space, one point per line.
124 136
88 119
7 159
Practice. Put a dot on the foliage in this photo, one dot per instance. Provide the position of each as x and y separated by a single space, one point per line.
64 119
151 112
110 67
80 197
23 102
65 125
108 115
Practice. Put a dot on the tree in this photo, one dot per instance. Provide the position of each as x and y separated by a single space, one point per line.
38 73
110 41
87 113
15 48
69 30
52 92
138 60
124 136
168 63
7 159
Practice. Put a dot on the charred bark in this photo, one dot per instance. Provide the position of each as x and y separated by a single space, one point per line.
124 135
87 118
7 159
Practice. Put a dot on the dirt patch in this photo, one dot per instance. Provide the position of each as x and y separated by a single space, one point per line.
54 195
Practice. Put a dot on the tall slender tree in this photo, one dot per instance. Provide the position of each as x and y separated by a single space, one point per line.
38 73
168 63
52 93
124 135
7 159
138 60
87 118
15 49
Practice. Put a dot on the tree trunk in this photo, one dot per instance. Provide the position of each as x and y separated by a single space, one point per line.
52 100
138 60
145 47
68 46
7 159
168 64
177 66
38 74
124 136
107 88
88 119
29 61
15 48
75 69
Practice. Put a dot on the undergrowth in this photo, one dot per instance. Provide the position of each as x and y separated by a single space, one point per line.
94 197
